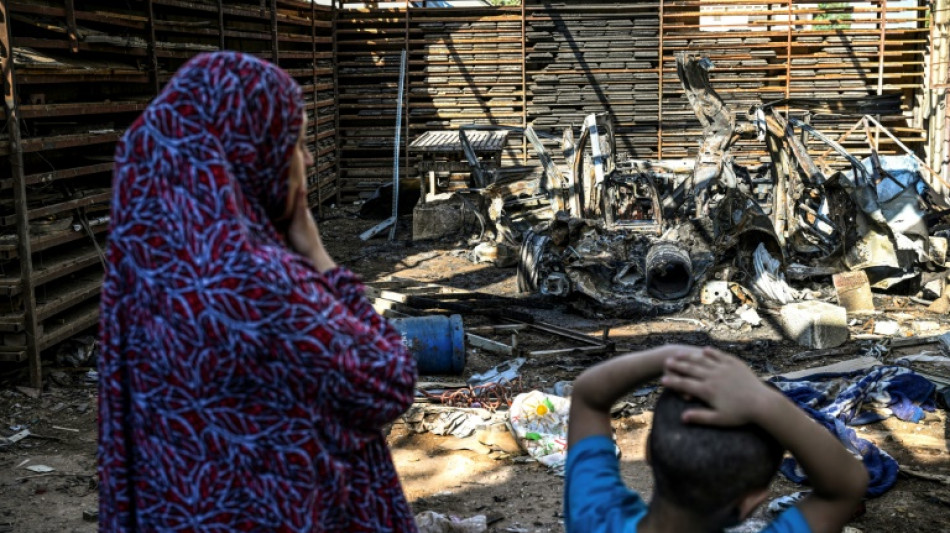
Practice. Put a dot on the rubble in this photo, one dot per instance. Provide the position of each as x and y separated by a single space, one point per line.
612 235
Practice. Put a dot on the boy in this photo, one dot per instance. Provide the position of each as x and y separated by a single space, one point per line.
717 438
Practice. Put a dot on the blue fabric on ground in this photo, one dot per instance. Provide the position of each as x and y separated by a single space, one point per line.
840 400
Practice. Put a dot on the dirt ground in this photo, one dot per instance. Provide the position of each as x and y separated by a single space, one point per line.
516 495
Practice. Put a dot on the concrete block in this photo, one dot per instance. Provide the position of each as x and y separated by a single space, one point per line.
815 324
435 220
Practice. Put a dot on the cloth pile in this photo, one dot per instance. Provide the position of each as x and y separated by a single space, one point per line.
841 400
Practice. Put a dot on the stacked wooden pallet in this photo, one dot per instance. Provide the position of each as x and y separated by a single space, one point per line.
749 67
305 50
82 72
856 49
369 45
465 68
584 57
760 56
81 77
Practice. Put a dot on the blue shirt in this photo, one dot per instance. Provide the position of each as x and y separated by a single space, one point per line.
597 501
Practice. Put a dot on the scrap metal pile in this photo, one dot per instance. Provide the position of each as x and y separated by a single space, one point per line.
630 236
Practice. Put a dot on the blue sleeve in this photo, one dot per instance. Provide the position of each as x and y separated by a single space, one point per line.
790 521
595 497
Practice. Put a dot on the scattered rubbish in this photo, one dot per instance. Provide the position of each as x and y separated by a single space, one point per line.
65 429
923 358
716 292
437 342
42 469
459 424
769 281
749 315
913 472
887 328
854 291
851 365
498 255
77 351
539 422
507 371
433 522
30 391
840 400
90 515
16 437
491 396
92 377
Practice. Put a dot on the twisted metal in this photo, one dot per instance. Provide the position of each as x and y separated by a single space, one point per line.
490 396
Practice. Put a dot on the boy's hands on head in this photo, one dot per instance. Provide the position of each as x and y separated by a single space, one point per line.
600 386
736 396
723 381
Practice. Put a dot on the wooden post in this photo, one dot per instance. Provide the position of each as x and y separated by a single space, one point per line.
316 105
152 52
221 41
24 246
275 58
659 100
524 84
788 54
336 99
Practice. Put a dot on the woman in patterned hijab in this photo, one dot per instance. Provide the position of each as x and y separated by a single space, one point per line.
245 378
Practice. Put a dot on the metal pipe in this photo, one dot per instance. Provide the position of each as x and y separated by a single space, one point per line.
669 271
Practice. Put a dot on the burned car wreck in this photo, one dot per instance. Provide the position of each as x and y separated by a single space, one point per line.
645 237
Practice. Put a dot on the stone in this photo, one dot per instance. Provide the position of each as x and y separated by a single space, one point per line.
814 324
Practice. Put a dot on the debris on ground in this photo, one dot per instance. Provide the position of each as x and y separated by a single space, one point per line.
433 522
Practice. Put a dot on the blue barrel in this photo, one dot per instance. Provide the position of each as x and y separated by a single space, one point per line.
437 342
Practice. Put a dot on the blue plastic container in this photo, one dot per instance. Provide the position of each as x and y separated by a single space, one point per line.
437 342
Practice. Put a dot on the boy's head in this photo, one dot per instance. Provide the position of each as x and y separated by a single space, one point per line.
706 469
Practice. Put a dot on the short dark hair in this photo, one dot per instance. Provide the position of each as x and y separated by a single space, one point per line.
706 468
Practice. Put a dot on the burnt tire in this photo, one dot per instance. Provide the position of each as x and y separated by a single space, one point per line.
533 248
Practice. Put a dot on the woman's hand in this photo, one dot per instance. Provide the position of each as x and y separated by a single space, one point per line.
304 236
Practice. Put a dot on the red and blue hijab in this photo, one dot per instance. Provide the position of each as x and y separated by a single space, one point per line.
240 389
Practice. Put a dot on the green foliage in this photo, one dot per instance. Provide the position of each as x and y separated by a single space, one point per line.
839 18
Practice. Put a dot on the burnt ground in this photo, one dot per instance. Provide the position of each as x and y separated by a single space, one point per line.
437 475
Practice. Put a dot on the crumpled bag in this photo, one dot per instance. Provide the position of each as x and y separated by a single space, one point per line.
539 421
433 522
